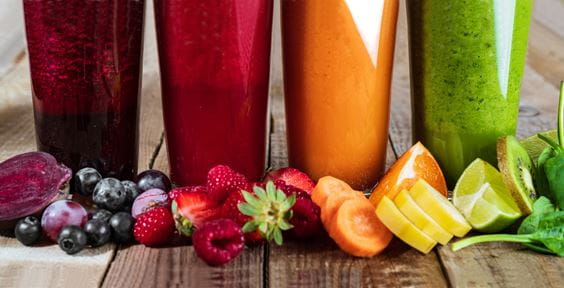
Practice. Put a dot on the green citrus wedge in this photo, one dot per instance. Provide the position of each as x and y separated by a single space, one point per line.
483 198
534 145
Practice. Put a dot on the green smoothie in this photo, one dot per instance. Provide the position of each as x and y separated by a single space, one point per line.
467 60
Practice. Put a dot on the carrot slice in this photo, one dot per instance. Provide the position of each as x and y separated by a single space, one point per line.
326 186
333 203
358 231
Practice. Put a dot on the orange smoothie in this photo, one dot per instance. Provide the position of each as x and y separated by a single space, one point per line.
338 58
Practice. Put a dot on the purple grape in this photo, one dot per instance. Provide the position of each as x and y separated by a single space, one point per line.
60 214
151 179
150 199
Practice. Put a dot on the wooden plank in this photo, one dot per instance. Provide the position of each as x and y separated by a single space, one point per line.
320 263
496 264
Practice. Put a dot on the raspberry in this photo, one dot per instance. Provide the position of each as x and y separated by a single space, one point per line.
223 180
305 219
155 227
229 210
219 241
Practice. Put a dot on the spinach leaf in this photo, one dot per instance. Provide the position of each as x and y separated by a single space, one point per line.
540 207
551 232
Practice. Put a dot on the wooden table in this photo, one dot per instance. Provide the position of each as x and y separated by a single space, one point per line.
316 264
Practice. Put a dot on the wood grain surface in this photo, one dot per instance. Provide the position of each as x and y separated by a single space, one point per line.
316 263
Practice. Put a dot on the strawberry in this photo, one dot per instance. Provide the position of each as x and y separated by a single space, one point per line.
292 177
192 209
289 190
223 180
174 192
305 219
230 210
219 241
154 227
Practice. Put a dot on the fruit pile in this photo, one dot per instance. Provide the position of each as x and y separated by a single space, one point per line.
69 224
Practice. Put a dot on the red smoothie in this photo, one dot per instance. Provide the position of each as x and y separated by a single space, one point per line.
215 61
85 69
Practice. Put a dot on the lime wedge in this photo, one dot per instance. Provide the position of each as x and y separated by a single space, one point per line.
534 145
483 199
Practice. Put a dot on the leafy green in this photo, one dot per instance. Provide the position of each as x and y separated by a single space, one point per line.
541 207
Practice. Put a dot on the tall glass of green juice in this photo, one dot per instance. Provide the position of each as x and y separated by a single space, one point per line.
467 59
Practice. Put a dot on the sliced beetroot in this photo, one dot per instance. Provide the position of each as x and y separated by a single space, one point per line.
28 183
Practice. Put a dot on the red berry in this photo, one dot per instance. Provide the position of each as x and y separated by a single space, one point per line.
174 192
219 241
289 190
305 219
293 177
229 210
223 180
192 209
155 227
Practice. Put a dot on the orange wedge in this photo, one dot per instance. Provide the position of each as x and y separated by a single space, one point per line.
357 230
326 186
417 163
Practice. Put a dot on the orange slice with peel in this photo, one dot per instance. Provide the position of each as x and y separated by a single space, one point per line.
417 163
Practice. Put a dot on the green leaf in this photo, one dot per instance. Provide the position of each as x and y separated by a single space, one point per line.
247 209
252 200
543 206
284 225
280 196
249 227
291 200
551 232
263 227
271 191
278 237
540 207
261 194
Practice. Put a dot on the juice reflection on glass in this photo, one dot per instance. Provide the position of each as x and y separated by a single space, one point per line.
467 60
338 57
215 61
85 71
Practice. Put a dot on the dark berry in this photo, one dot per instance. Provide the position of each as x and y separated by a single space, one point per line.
72 239
28 230
131 191
101 214
122 227
97 232
109 194
153 179
85 181
219 241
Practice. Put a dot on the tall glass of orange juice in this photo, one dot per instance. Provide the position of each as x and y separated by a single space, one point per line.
338 58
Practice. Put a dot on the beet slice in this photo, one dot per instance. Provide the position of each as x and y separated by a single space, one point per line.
28 183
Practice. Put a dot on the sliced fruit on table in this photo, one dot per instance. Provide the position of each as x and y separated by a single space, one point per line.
293 177
420 219
417 163
326 186
534 145
483 198
439 208
357 230
400 226
334 202
517 169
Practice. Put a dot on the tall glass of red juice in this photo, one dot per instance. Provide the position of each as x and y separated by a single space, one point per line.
215 59
85 70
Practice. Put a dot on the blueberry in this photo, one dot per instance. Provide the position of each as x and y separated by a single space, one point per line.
153 179
97 232
85 180
72 239
122 227
109 194
28 230
131 191
101 214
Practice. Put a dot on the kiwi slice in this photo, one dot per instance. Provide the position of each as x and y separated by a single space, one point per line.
517 169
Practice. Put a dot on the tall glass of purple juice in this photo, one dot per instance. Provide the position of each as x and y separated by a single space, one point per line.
85 58
215 60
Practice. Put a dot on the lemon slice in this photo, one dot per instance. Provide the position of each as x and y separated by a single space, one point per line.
417 216
483 198
439 208
400 226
